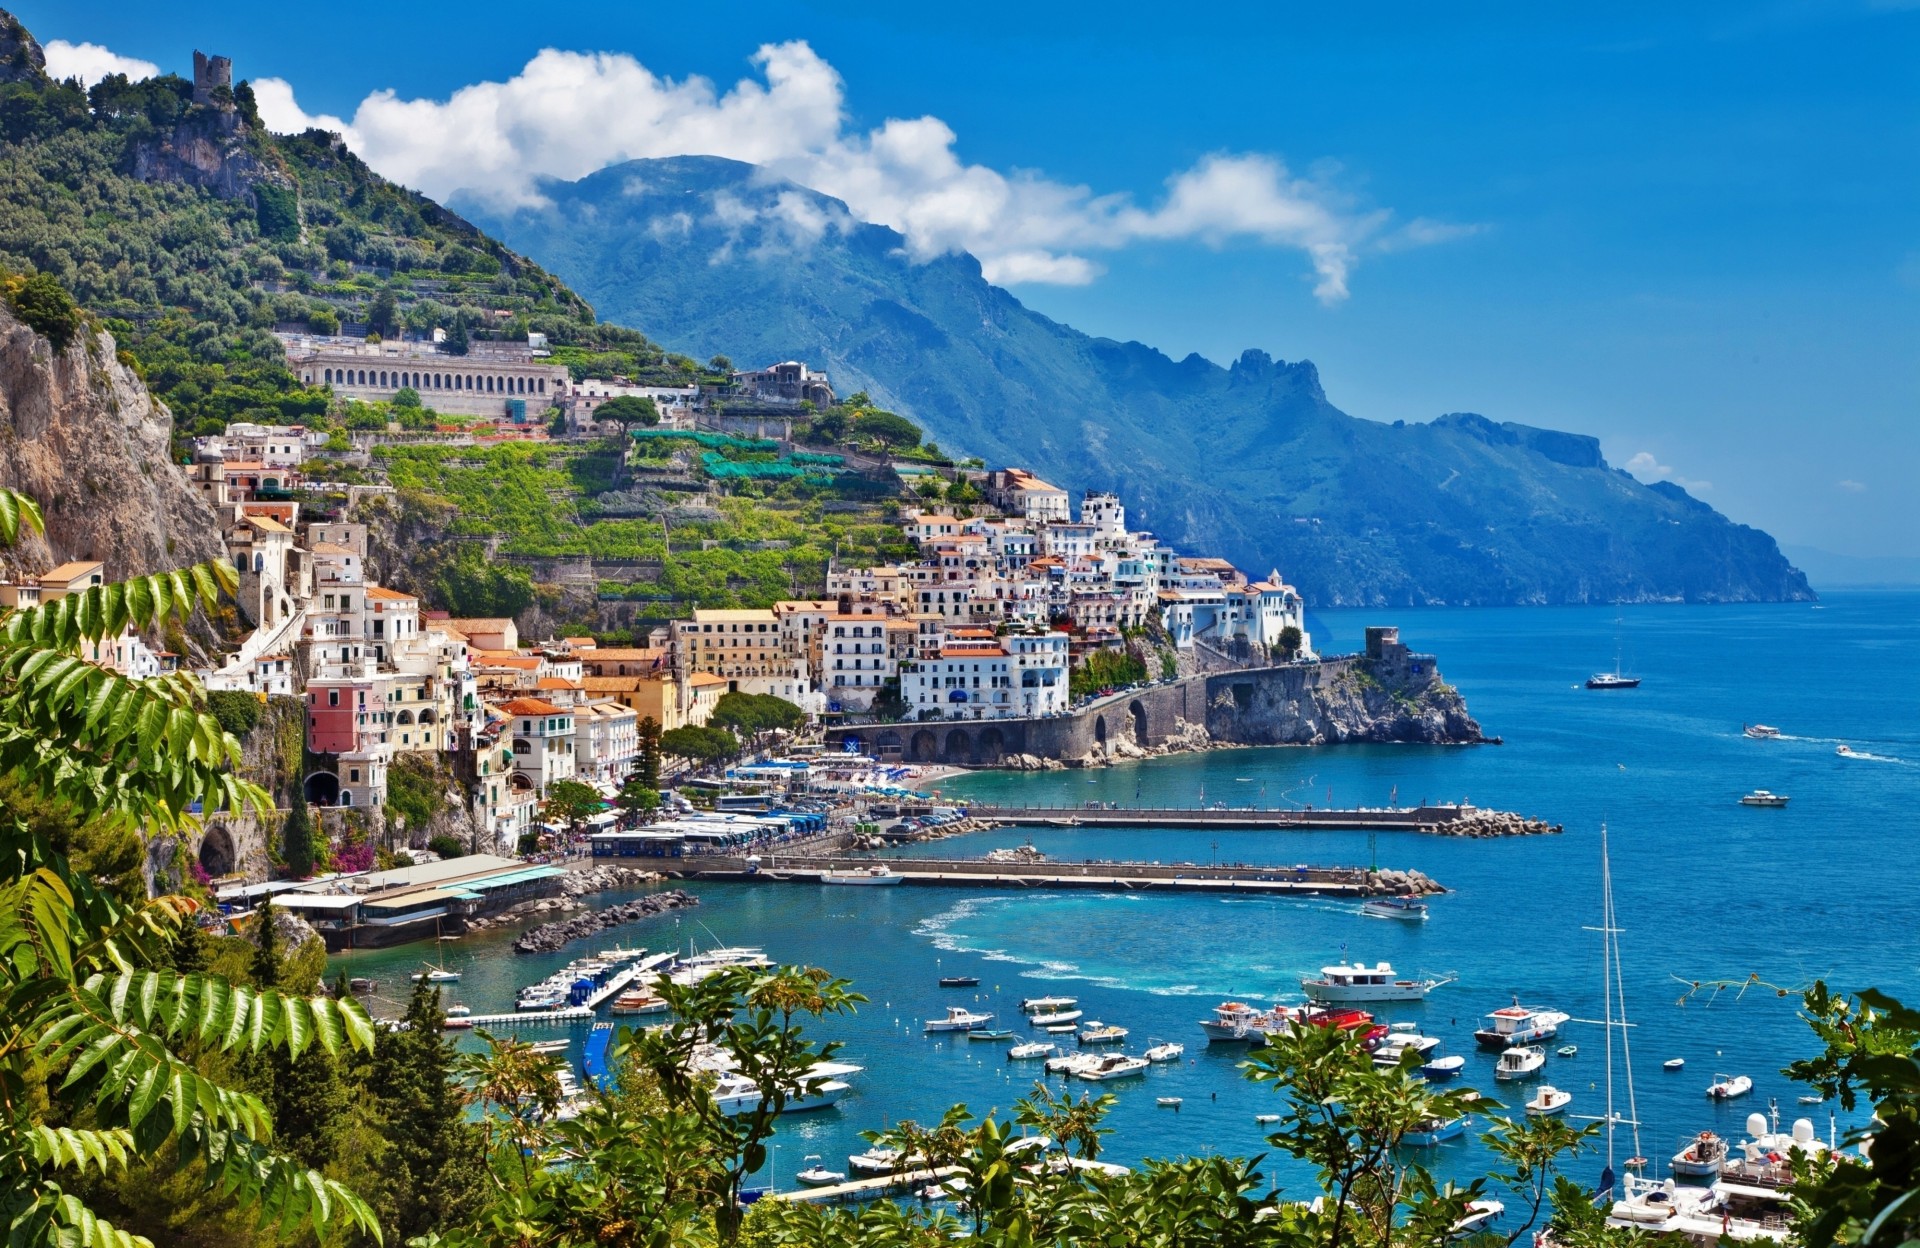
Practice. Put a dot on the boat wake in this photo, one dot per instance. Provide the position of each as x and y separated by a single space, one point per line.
1861 755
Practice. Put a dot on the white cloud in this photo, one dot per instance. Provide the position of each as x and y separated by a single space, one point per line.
1645 464
1853 487
568 114
89 62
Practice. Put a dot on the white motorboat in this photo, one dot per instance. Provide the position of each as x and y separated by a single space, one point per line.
876 1162
1760 732
1046 1005
1030 1050
437 975
1405 909
1344 984
1101 1033
1548 1100
1442 1068
1766 1160
1726 1087
1480 1213
1399 1043
1847 751
1233 1022
1704 1156
868 876
735 1095
1518 1024
1266 1120
1674 1063
1056 1018
1060 1029
817 1175
959 1018
1165 1053
1068 1063
1761 797
1112 1066
550 1046
1523 1061
1702 1216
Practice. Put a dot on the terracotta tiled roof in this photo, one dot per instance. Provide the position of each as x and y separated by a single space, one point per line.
530 706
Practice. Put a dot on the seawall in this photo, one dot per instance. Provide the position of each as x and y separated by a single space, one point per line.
1387 695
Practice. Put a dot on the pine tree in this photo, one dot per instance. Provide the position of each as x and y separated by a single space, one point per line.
296 838
437 1163
646 767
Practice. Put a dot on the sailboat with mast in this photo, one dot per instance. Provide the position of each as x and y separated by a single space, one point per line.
1614 679
1614 996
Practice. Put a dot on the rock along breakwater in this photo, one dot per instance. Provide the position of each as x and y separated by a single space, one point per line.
551 937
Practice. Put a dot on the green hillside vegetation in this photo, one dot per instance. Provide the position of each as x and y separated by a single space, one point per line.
192 283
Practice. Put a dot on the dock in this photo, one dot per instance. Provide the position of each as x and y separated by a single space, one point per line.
569 1014
857 1190
1301 880
1424 818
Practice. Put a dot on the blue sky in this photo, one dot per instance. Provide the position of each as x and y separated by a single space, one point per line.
1693 231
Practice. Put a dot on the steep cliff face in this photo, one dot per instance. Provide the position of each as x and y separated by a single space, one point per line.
80 433
1340 701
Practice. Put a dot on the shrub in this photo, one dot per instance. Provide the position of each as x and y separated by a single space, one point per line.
237 712
46 307
447 846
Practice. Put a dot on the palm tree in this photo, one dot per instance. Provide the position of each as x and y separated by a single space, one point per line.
95 1029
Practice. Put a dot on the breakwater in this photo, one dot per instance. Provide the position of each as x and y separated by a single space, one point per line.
549 937
1436 820
1110 876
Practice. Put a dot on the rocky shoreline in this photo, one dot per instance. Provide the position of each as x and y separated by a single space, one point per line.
1486 824
552 937
573 886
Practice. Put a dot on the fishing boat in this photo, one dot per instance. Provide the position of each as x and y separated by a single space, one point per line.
1360 982
959 981
1568 1050
959 1018
1435 1130
817 1175
1165 1053
1167 1102
1030 1050
1703 1157
1101 1033
1760 797
1523 1061
1056 1018
1760 732
868 876
1046 1005
437 975
1726 1087
1548 1101
983 1036
1518 1024
1441 1069
1406 909
1112 1066
1674 1063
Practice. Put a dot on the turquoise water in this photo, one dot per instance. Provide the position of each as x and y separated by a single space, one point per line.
1705 889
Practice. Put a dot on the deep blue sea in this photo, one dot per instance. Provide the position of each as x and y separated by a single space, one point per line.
1705 889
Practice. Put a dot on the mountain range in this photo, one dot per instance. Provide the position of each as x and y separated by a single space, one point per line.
1250 460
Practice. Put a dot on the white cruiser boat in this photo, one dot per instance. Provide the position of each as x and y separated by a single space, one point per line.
1047 1005
1165 1053
1360 982
1233 1022
869 876
1101 1033
1766 1159
1761 797
1406 909
1399 1042
1518 1024
1548 1100
959 1018
1726 1087
1703 1157
736 1094
1112 1066
1480 1212
817 1175
1056 1018
876 1162
1031 1050
1702 1216
1520 1062
1760 732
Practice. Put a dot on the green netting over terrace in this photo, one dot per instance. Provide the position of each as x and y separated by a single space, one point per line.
719 466
713 441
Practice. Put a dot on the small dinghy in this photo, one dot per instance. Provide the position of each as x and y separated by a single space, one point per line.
1167 1102
1568 1050
1442 1068
1165 1052
1726 1087
1674 1063
817 1175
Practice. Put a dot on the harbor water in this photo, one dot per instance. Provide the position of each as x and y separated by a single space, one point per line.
1710 895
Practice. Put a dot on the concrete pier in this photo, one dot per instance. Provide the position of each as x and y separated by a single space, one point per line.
1431 818
1355 882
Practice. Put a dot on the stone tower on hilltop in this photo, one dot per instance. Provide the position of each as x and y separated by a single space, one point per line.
210 72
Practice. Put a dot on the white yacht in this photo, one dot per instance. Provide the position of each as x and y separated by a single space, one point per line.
1344 984
1703 1216
1761 732
868 876
1233 1022
736 1094
1112 1066
959 1018
1548 1100
1056 1018
1766 1159
1047 1005
1400 1042
1762 797
1523 1061
1165 1053
1518 1024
